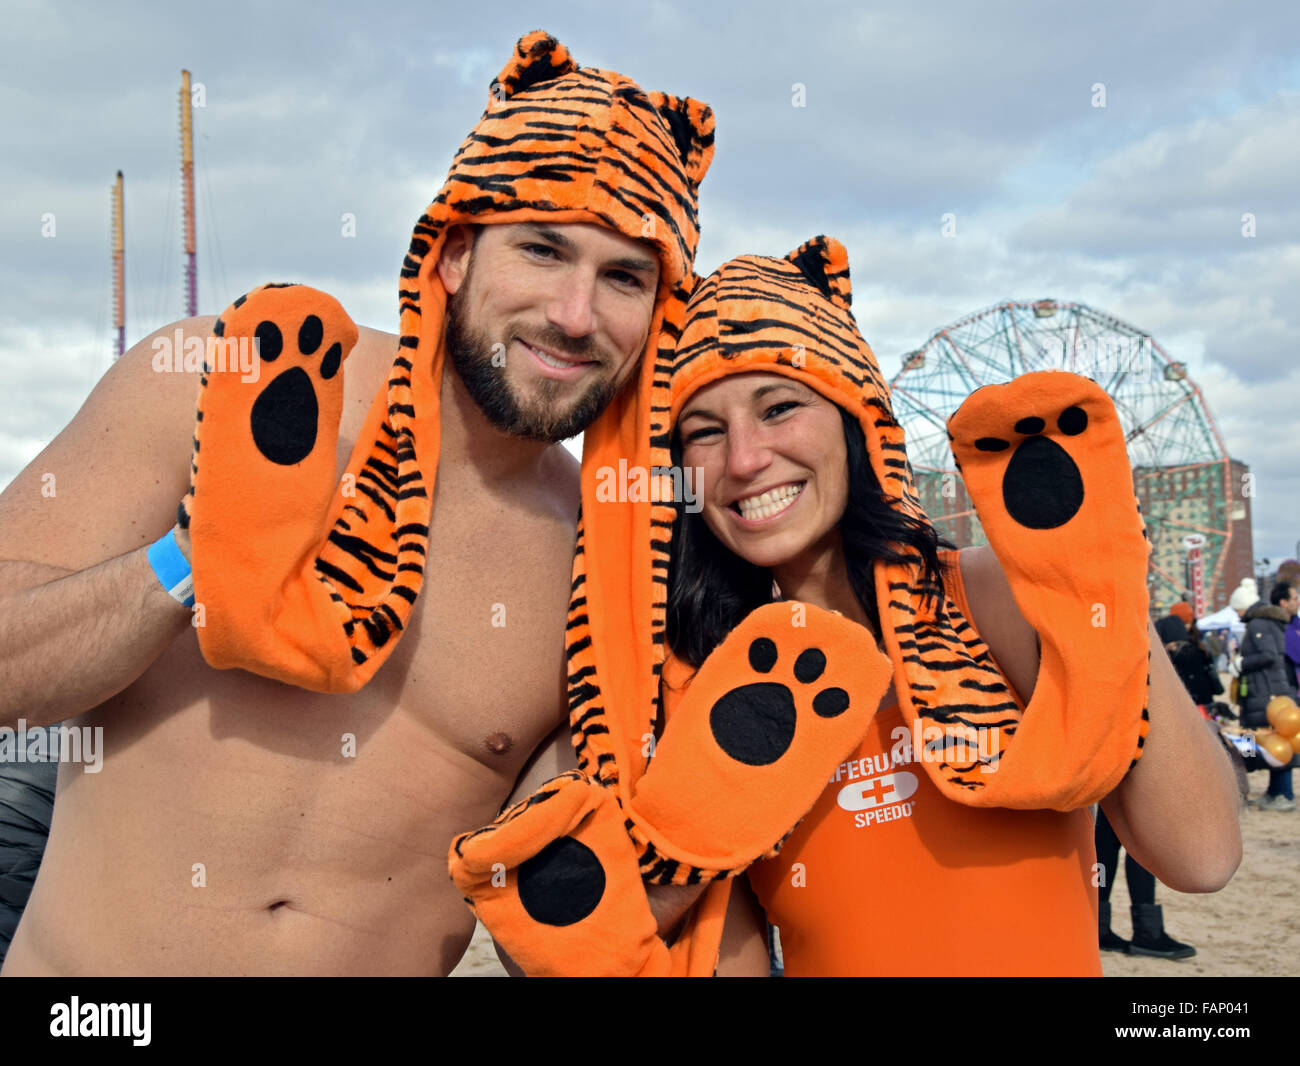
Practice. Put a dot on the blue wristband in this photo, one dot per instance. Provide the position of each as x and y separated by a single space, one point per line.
172 569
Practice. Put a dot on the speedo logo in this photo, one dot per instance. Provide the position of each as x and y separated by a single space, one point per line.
883 798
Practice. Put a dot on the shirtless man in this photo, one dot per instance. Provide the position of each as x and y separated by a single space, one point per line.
229 832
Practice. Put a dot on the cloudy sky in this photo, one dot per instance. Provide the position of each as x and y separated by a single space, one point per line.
986 112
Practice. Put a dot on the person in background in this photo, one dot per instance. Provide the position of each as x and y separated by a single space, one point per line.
26 807
1290 602
1264 674
1195 670
1189 655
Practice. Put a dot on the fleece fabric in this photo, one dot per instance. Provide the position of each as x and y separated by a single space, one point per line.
1044 463
314 582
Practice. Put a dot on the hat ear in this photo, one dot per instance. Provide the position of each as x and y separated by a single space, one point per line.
825 263
538 57
691 125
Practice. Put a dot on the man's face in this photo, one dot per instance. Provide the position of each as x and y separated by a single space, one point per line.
546 322
1292 603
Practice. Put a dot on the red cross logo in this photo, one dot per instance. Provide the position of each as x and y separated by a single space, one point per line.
876 790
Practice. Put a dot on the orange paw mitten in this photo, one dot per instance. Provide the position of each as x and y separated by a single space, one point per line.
1044 461
555 881
262 485
768 717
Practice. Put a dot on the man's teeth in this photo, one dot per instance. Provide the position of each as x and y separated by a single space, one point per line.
774 501
558 364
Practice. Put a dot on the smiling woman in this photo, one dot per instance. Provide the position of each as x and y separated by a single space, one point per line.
966 801
788 495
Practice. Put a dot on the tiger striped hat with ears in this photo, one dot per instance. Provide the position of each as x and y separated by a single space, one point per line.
560 143
557 143
1085 724
792 316
788 316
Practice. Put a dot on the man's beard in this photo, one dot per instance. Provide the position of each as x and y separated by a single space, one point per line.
471 355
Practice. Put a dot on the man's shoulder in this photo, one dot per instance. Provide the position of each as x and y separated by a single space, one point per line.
373 352
563 480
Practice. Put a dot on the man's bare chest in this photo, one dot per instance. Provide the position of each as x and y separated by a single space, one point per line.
482 662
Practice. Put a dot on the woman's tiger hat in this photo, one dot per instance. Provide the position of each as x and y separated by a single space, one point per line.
793 316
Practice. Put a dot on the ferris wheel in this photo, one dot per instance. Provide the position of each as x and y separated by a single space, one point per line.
1183 476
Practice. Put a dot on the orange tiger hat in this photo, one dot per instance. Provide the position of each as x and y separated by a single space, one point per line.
1065 552
557 143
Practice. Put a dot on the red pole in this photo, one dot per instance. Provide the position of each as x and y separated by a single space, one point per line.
187 200
119 279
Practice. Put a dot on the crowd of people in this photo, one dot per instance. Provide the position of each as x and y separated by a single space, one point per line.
1258 667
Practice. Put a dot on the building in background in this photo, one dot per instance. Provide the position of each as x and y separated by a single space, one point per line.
1192 493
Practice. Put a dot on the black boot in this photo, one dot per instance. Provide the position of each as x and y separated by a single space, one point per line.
1150 938
1105 938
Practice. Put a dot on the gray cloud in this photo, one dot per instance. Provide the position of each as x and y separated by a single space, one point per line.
979 110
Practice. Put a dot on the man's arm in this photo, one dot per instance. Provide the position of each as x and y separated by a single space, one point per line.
1176 811
81 613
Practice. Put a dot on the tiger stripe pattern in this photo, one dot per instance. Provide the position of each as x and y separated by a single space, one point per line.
557 143
755 313
952 681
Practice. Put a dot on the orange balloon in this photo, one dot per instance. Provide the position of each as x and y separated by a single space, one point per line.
1287 722
1295 743
1276 706
1277 747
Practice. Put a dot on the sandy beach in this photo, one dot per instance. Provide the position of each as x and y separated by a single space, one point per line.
1227 928
1244 931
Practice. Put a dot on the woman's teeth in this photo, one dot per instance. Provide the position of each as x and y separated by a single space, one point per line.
772 502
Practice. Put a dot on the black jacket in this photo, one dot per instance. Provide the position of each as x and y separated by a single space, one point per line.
1263 661
1192 662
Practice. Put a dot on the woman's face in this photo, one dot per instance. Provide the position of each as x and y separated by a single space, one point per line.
774 466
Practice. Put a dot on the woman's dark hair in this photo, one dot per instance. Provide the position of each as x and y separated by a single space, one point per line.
711 590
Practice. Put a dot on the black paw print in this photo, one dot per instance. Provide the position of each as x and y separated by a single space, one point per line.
1041 487
755 723
562 883
285 414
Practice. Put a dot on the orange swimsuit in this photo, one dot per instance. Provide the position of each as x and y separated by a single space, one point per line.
885 876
